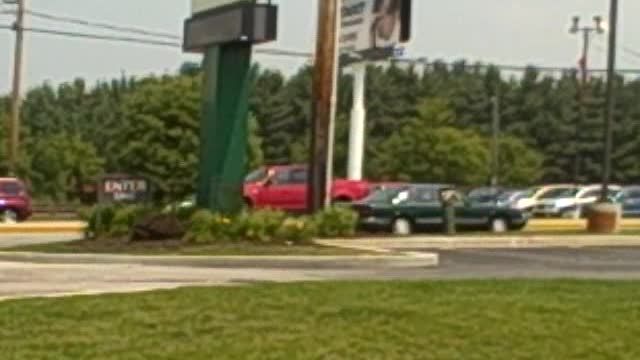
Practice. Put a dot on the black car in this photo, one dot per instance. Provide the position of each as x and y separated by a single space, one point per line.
415 208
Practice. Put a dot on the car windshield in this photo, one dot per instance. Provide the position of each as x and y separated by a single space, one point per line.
256 176
559 193
10 188
382 195
512 196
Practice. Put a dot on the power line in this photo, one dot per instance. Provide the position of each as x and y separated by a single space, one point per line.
102 25
299 54
143 41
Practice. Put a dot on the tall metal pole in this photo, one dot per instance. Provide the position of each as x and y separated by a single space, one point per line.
495 179
13 127
357 131
334 108
611 99
323 79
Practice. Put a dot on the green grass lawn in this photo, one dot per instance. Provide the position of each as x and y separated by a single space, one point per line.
426 320
116 246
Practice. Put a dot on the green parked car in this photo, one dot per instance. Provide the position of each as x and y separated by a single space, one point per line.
407 209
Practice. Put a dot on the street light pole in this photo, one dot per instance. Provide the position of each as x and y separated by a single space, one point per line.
334 108
611 100
586 32
13 126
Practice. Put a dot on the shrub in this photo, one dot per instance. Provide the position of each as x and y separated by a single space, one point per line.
260 226
336 222
124 219
199 228
100 219
297 230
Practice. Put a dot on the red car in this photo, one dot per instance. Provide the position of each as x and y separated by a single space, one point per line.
15 202
285 188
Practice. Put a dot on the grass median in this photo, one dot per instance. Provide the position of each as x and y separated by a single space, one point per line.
423 320
180 248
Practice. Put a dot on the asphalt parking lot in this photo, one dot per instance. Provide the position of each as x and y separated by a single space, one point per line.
580 263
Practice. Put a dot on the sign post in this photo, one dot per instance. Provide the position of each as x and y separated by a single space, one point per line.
370 31
224 30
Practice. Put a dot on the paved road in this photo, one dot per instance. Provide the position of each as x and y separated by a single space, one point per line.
581 263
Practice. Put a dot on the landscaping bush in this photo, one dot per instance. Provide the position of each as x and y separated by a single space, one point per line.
125 218
199 228
260 226
100 219
336 222
297 230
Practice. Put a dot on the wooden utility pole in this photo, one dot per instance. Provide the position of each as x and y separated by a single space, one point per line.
13 127
323 80
495 147
611 100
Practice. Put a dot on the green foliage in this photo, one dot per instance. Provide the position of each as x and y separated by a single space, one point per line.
297 230
125 218
199 229
100 220
519 164
433 155
261 226
336 222
59 165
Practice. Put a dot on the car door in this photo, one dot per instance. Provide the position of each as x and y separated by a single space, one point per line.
276 193
426 209
469 215
631 204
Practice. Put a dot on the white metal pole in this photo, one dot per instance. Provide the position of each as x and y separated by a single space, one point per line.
334 108
358 123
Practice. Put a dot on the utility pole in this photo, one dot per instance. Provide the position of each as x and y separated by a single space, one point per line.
587 32
495 105
611 100
13 127
323 79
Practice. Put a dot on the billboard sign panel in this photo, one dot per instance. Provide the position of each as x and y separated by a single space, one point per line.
373 28
241 22
198 6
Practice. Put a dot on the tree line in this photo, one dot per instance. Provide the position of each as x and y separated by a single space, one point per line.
428 124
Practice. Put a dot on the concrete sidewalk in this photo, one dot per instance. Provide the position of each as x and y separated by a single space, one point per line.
485 242
392 260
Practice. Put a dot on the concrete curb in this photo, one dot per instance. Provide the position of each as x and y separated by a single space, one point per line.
400 260
481 242
62 227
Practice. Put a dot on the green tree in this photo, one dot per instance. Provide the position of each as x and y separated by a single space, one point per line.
432 155
59 165
519 164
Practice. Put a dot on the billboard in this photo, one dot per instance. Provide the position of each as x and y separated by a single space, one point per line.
373 28
198 6
242 22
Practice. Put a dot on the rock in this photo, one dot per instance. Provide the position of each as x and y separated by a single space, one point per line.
157 227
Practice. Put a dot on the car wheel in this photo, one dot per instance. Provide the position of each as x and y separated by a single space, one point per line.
499 225
9 217
402 227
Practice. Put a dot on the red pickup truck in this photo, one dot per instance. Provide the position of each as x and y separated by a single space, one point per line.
285 187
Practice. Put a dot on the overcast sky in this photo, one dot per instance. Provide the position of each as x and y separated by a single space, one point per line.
515 32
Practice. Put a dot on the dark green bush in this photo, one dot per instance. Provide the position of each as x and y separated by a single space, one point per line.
336 222
199 227
125 217
297 230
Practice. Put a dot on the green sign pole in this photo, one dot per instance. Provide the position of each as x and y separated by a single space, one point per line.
224 127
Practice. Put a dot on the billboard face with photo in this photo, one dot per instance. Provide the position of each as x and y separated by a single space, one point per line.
372 28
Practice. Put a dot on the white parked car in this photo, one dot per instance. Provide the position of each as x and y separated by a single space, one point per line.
529 201
571 203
